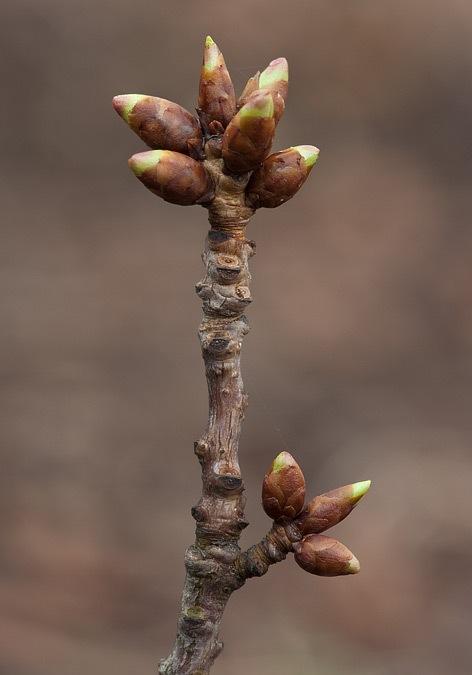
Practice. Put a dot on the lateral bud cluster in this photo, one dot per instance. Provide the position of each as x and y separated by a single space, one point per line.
283 498
241 132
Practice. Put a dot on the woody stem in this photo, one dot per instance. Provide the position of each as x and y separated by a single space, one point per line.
211 575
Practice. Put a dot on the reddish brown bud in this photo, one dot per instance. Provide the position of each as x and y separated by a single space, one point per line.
249 135
161 124
216 98
174 177
273 79
330 508
280 176
283 489
325 557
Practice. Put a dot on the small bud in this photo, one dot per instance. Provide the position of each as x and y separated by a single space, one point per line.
325 557
280 176
251 86
330 508
249 135
161 124
216 98
283 489
174 177
275 79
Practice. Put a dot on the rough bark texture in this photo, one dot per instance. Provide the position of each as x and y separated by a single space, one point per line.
214 563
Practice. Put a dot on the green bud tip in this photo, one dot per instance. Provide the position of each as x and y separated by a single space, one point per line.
143 161
309 153
125 103
211 56
282 461
261 105
276 71
353 566
359 489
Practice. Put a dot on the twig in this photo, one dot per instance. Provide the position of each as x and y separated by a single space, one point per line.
221 160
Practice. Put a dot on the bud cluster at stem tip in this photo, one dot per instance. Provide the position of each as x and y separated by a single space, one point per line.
238 131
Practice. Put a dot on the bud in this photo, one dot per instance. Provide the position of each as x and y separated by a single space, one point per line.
283 489
275 79
251 86
174 177
280 176
216 98
248 137
161 124
330 508
325 557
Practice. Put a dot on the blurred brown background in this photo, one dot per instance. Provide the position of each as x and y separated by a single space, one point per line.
359 357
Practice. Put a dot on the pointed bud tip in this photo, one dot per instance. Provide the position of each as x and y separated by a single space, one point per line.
276 71
124 104
142 161
284 459
310 154
353 566
212 57
359 489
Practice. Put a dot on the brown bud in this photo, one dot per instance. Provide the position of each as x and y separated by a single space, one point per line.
325 557
275 79
280 176
249 135
174 177
161 124
216 98
283 489
330 508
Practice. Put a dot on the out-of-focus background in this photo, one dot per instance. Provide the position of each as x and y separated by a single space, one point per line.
358 361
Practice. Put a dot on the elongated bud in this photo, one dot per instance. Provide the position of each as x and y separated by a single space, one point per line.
280 176
275 79
174 177
325 557
160 123
283 489
249 135
251 86
216 98
330 508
